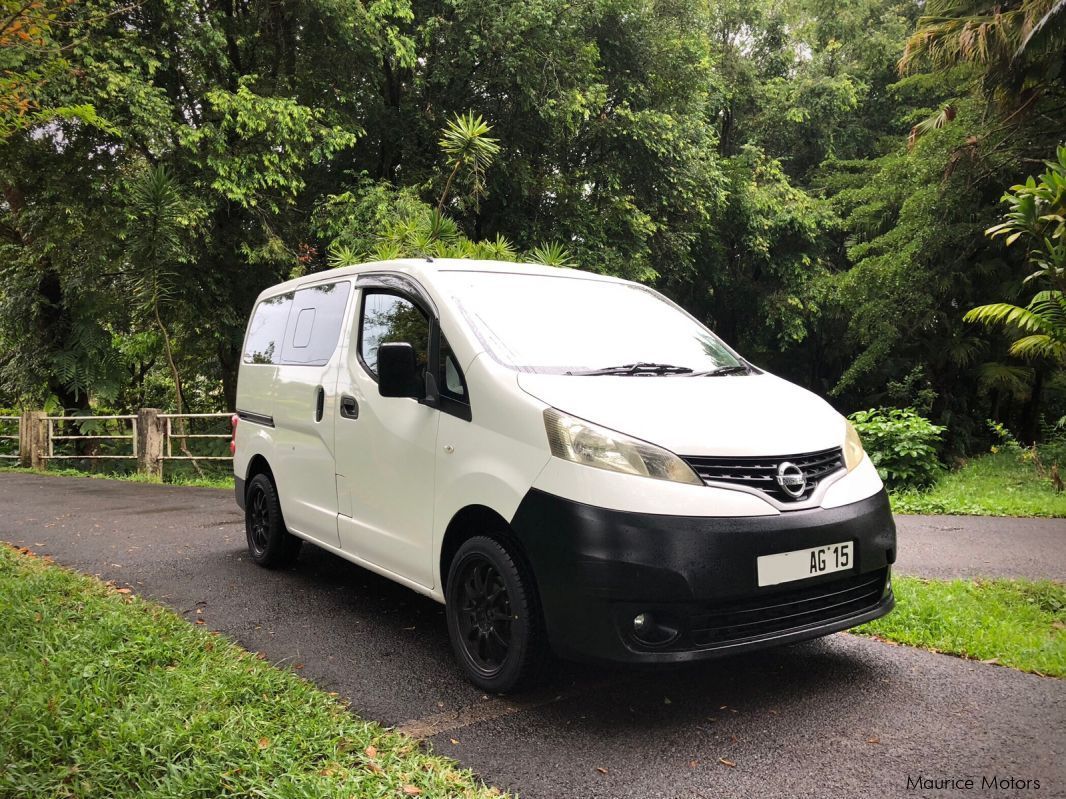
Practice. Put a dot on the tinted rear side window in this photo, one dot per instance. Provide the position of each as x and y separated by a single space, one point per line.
267 329
315 324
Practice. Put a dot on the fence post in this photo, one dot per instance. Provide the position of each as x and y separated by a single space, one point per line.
33 439
150 442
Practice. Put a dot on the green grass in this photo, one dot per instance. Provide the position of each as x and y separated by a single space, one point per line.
997 484
1015 623
104 694
217 480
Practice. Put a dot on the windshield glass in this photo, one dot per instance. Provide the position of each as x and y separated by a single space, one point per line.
561 325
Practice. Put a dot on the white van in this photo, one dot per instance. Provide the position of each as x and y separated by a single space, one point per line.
567 461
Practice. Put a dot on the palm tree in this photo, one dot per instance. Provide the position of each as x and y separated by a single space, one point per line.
1042 321
1004 38
551 254
1036 216
466 143
1014 47
1044 29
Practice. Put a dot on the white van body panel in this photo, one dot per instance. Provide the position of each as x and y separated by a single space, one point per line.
698 415
251 439
492 461
860 483
385 469
304 467
625 492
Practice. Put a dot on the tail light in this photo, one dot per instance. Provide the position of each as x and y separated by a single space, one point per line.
233 437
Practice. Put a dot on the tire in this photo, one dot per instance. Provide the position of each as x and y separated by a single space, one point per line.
270 544
494 617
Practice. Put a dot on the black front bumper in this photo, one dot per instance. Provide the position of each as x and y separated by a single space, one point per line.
596 569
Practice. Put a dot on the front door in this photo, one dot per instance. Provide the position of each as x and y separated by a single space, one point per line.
386 445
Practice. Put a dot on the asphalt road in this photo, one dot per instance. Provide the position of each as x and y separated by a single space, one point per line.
982 546
840 717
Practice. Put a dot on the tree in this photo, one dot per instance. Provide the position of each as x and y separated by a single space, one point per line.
1042 324
750 159
467 145
1037 216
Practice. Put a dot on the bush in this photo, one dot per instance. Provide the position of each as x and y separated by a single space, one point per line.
902 445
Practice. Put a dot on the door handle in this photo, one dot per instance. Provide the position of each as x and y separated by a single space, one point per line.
349 407
320 403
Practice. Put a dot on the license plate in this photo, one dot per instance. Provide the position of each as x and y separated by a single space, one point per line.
800 564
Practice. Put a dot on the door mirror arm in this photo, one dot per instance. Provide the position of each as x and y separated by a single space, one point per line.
432 394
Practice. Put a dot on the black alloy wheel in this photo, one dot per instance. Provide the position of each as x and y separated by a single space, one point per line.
270 544
494 617
484 615
258 521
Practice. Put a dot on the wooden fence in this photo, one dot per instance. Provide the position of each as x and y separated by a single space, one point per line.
9 432
149 437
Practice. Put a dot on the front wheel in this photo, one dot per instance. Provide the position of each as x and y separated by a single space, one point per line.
494 618
270 544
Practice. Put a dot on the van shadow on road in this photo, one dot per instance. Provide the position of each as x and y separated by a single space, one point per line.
392 643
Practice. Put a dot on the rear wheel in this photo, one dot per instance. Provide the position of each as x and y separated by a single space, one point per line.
494 618
270 544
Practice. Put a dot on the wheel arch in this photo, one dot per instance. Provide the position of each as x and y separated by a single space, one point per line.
478 520
259 465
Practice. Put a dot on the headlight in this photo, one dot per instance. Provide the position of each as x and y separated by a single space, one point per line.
578 441
853 452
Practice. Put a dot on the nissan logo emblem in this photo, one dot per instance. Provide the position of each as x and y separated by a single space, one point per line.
791 479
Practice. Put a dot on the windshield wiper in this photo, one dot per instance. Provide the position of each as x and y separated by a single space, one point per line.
637 369
739 369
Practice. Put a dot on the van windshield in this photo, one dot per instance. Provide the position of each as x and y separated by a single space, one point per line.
565 325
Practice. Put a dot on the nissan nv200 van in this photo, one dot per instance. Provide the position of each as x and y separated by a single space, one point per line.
569 462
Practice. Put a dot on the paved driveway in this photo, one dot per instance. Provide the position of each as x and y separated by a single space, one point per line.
840 717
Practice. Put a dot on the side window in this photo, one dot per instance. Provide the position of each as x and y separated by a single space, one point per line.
266 330
315 324
450 379
389 318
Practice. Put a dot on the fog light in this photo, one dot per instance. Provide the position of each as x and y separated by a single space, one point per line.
654 632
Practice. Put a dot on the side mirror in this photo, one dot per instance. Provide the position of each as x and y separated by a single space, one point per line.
398 372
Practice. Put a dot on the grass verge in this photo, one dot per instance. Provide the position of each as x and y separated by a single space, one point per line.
207 481
1015 623
997 484
104 694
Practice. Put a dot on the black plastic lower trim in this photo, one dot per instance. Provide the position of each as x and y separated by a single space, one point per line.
597 569
238 491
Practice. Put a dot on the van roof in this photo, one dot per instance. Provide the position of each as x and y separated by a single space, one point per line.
426 268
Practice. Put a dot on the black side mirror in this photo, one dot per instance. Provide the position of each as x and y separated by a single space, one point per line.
398 372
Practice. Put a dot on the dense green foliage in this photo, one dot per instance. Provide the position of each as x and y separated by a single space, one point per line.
768 165
901 443
1014 623
103 694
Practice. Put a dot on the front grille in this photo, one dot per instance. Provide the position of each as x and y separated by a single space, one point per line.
761 473
783 612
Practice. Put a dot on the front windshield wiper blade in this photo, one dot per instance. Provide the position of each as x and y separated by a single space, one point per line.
637 369
739 369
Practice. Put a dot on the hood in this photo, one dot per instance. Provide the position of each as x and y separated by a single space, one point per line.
729 415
